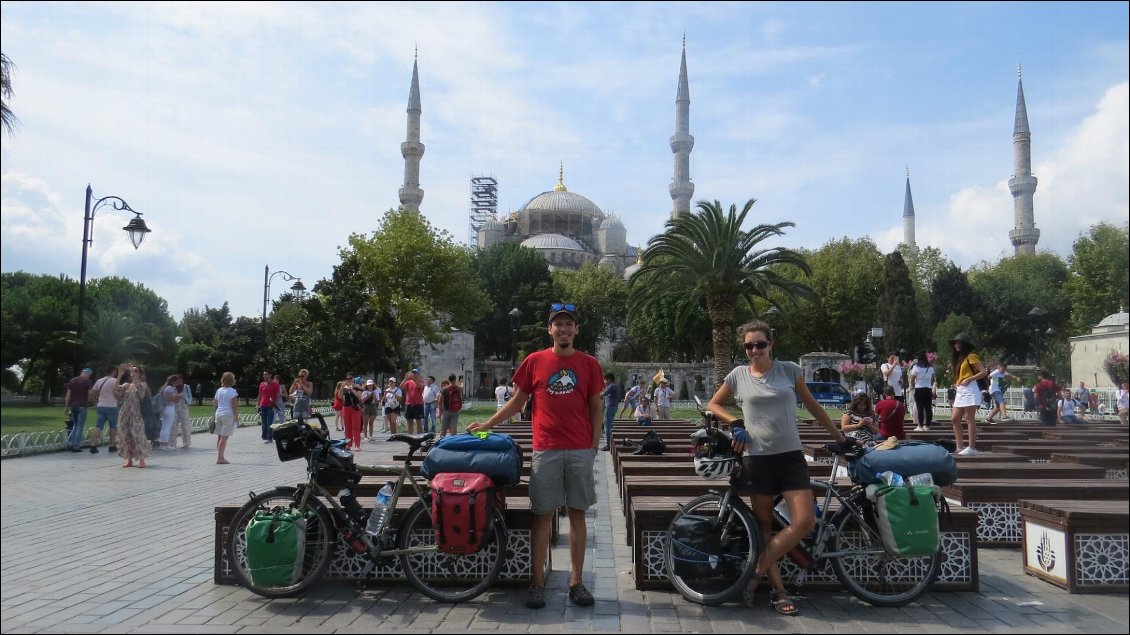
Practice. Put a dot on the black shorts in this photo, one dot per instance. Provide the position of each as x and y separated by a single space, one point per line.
414 411
771 474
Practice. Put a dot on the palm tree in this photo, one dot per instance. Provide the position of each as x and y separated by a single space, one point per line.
7 118
706 258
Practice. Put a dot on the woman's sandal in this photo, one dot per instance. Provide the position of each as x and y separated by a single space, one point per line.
782 603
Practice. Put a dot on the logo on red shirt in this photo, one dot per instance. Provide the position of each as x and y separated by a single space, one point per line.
562 382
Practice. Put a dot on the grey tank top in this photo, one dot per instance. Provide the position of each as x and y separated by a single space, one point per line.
768 406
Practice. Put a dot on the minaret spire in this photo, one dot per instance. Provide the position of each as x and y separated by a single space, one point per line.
681 188
1025 235
412 150
908 219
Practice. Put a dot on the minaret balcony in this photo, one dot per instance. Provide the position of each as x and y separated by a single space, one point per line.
681 189
1022 185
412 149
682 143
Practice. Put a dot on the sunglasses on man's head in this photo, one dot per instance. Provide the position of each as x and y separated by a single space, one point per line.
749 346
562 307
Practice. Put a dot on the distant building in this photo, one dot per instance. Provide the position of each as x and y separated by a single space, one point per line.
1089 351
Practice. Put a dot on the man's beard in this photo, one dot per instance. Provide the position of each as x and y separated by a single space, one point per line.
568 344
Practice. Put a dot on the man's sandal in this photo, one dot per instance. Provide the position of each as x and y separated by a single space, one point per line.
782 603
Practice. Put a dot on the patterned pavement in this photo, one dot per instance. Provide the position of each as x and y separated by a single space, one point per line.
89 547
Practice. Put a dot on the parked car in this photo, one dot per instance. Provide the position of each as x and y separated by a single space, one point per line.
829 393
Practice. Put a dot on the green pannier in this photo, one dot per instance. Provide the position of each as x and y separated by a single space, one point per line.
907 517
276 544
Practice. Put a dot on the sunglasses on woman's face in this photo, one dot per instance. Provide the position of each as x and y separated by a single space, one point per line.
762 345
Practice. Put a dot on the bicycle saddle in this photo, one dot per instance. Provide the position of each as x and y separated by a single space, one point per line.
414 441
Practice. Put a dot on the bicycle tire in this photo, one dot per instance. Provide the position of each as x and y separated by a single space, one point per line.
445 577
319 546
877 577
744 540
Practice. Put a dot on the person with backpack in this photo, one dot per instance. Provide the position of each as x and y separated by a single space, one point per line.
1067 408
451 403
1047 399
966 369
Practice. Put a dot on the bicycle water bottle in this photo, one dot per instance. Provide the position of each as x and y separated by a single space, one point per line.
352 507
894 479
379 517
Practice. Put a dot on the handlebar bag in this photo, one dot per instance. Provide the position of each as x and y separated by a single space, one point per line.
498 456
907 517
908 459
462 511
276 543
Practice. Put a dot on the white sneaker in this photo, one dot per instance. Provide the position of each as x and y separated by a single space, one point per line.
968 452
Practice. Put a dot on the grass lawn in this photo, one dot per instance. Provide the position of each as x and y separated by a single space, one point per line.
33 417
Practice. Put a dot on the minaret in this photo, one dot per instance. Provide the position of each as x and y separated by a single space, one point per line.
410 194
1022 184
681 187
908 220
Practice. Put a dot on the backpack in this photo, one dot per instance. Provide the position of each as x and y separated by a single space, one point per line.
462 511
877 384
276 542
157 402
907 517
452 399
651 443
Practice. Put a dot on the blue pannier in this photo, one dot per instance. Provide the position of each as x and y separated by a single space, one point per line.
908 459
498 456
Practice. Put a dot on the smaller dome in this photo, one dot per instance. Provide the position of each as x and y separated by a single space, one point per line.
552 241
1122 318
629 270
493 225
612 222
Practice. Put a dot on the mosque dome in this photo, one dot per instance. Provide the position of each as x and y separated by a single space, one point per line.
629 270
562 201
612 222
552 241
493 224
1122 318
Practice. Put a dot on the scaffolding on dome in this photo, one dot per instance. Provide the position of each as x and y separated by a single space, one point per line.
484 203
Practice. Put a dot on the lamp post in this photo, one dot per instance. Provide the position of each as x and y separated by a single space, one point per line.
298 288
462 373
515 321
136 228
1037 314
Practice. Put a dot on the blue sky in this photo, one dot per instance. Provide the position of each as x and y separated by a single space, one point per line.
264 134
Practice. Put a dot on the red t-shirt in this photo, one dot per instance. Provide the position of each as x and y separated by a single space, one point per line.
561 388
413 393
891 414
268 393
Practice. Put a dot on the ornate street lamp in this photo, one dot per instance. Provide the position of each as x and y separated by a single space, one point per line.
136 228
298 288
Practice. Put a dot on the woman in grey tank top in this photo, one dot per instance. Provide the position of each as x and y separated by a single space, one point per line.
767 392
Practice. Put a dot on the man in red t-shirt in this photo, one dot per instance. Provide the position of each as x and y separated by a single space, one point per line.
1047 395
413 389
566 385
268 392
892 414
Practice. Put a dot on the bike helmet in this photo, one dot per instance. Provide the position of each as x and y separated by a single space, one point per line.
714 457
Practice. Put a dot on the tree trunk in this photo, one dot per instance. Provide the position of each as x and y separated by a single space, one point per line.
721 312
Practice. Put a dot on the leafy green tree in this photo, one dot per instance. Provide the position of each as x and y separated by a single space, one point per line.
513 277
951 292
1099 280
652 329
896 309
846 275
1007 292
39 328
418 276
706 258
924 270
600 296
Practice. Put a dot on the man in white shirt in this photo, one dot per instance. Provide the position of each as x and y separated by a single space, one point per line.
662 399
892 375
431 394
502 394
997 391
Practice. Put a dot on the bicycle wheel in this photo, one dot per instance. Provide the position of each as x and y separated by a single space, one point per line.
872 574
712 578
446 577
318 546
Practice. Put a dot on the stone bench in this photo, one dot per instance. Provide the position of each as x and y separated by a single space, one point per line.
650 516
1114 464
996 502
348 565
1078 545
1040 452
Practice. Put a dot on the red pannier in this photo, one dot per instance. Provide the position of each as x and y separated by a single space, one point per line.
463 505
